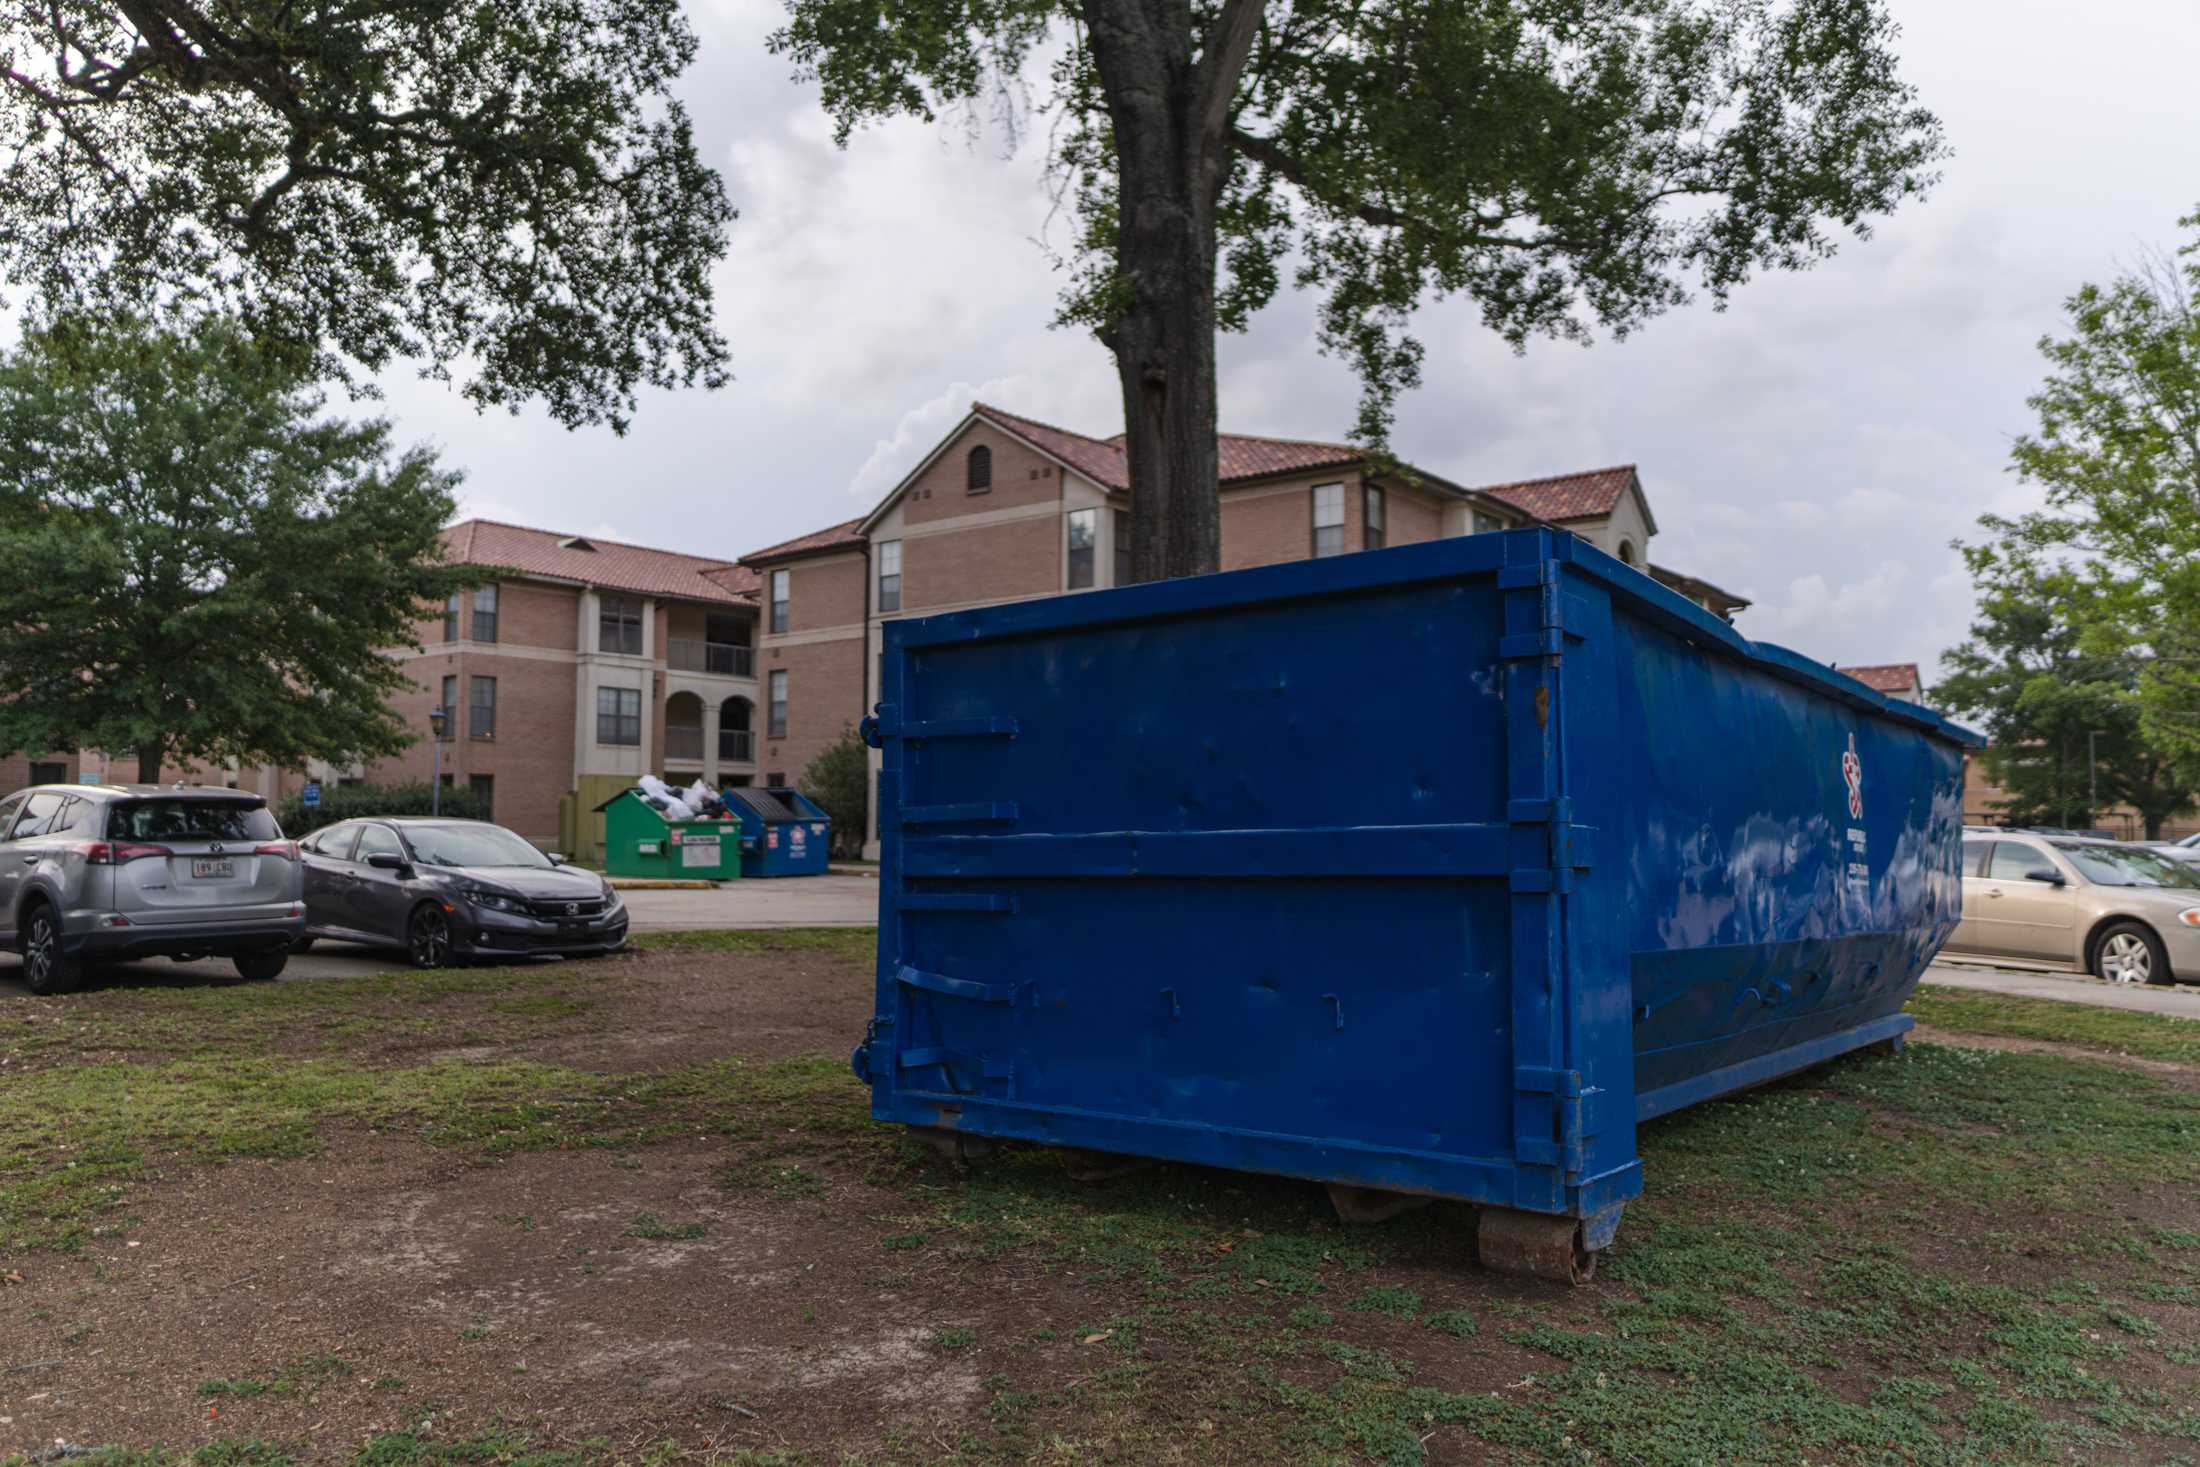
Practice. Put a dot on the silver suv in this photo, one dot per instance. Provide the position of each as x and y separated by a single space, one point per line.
104 873
2121 912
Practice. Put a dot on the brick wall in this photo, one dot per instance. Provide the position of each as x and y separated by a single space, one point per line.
531 757
1268 525
982 562
823 592
15 769
825 683
1413 517
1021 476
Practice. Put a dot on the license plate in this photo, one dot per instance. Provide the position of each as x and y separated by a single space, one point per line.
219 870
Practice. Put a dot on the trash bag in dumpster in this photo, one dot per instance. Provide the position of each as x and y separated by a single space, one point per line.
1429 871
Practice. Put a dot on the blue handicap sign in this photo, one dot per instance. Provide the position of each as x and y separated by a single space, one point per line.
312 795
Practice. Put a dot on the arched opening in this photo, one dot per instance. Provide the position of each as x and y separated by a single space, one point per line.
1626 552
980 470
735 740
684 727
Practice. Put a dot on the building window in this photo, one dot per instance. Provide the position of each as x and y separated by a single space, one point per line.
49 774
775 722
1328 519
1122 527
1626 552
450 708
481 709
618 715
483 787
889 575
779 600
1486 523
1377 528
1084 535
450 617
775 781
979 470
619 625
485 614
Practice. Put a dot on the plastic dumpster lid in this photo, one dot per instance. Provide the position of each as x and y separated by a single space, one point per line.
637 794
771 804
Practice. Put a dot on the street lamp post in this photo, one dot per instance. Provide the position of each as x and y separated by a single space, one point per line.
439 718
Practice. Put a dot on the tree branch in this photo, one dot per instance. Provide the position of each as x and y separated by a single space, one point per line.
1222 61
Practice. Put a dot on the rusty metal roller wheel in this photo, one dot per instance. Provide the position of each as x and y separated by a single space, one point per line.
1535 1245
1371 1204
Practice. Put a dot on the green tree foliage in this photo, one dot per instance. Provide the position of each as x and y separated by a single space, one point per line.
2062 719
194 563
839 779
505 184
365 801
2110 566
1564 164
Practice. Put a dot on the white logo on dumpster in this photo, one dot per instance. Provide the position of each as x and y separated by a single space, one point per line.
1852 770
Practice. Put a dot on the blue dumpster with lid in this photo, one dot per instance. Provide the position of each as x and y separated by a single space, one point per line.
783 831
1427 872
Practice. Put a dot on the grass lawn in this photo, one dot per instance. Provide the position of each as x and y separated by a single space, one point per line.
1951 1256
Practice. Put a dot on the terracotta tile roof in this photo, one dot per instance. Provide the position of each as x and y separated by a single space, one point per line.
598 562
1564 497
843 536
1886 677
1238 455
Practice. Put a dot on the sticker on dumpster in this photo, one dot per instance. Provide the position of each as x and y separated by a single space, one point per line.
699 850
771 839
1852 770
1859 869
794 839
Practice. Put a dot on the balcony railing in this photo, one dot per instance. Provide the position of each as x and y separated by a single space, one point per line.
737 744
725 659
683 742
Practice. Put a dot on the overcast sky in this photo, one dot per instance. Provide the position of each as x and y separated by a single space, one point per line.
1815 447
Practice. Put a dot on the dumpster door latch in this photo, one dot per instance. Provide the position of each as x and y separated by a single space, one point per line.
1555 1114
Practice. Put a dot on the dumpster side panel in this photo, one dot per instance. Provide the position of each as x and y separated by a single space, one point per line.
1774 904
1229 885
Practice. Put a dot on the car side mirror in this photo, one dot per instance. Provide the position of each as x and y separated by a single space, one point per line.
2051 878
387 861
557 858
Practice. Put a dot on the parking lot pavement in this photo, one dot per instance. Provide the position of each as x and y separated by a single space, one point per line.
831 900
2182 1001
810 901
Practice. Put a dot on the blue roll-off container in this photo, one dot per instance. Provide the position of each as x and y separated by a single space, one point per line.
1434 871
783 831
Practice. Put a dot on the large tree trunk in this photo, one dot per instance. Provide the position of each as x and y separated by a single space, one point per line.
149 760
1170 111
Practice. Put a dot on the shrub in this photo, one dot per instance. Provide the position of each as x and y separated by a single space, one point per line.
839 779
357 801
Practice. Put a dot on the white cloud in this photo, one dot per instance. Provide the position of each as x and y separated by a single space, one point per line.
920 430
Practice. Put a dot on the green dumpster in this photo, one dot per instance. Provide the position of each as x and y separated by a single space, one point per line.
639 841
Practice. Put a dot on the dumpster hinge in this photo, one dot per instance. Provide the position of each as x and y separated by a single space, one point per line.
1560 1115
1553 601
1568 847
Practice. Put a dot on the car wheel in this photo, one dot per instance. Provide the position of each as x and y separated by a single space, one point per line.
2127 952
46 968
428 938
261 967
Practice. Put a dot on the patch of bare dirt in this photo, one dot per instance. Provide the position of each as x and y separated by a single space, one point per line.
2181 1077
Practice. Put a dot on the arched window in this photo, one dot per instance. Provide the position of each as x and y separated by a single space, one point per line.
981 469
1626 552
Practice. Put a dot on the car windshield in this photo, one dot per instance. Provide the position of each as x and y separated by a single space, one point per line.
2124 866
472 845
188 819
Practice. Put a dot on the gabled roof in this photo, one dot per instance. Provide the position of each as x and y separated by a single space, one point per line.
598 562
847 535
1564 497
1886 677
1238 455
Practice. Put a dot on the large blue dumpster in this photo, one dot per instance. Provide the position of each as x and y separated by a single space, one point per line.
783 831
1430 871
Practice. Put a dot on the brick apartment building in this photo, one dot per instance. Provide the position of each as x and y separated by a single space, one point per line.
1004 508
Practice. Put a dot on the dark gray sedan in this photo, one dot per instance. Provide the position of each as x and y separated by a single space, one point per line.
449 889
